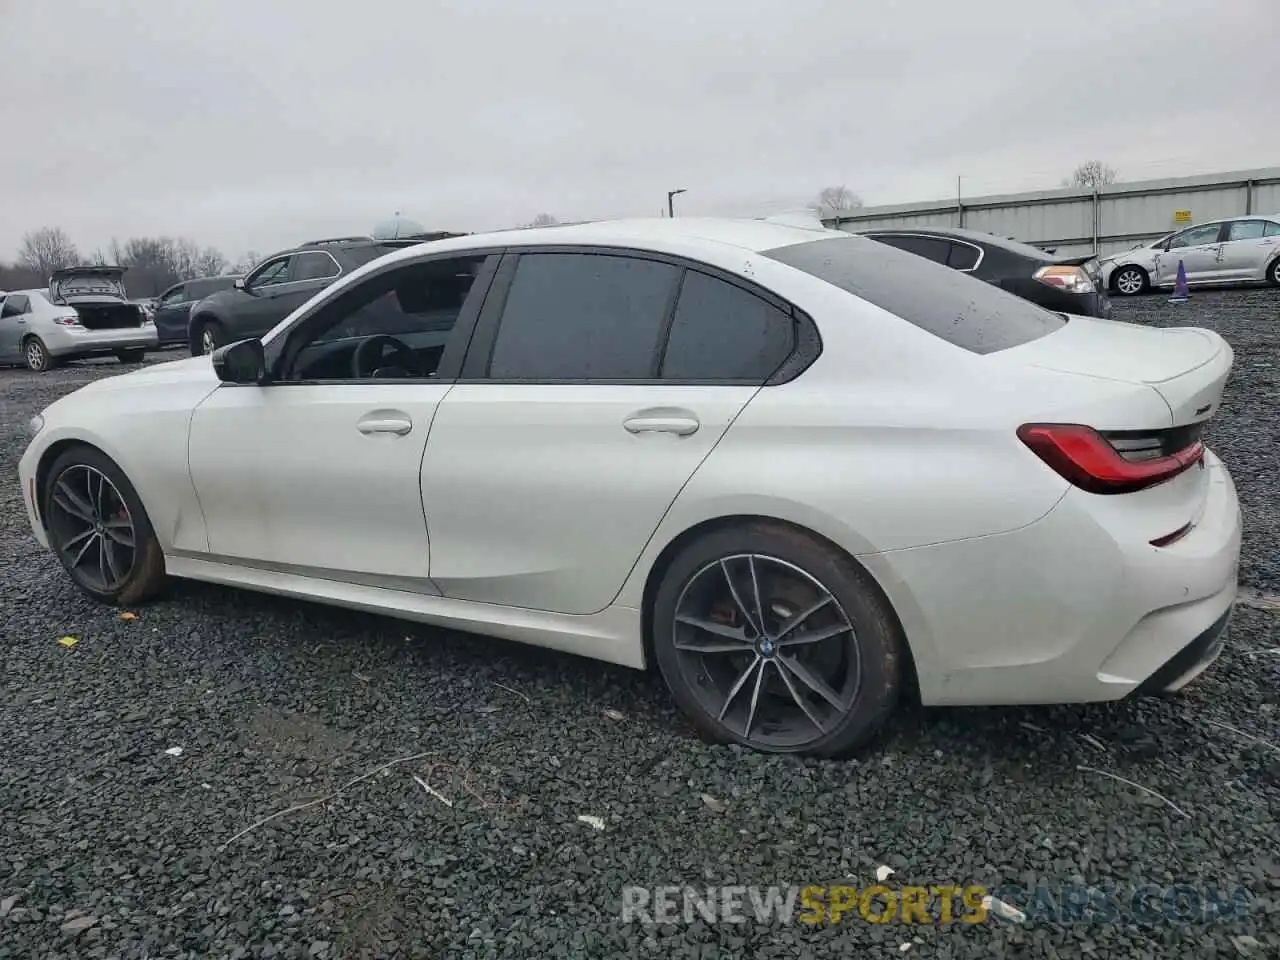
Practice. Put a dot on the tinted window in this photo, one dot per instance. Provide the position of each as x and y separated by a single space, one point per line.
367 254
1273 229
1196 235
14 305
722 332
417 305
277 271
574 316
173 297
931 248
312 266
1246 230
958 308
963 256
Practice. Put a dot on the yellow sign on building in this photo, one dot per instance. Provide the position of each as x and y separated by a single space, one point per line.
1182 216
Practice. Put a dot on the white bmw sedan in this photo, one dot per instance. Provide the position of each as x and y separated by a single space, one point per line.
796 469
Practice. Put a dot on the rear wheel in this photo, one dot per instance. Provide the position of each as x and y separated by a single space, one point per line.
99 529
1273 272
36 355
1130 281
775 640
131 356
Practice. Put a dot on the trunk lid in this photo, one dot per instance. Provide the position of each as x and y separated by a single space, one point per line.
1187 366
76 285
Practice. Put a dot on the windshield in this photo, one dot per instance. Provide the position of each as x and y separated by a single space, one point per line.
966 312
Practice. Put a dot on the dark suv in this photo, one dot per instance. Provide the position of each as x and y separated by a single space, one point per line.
281 283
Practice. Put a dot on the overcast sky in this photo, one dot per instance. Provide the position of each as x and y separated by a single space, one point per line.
256 125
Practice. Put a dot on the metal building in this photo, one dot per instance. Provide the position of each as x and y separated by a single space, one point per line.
1076 221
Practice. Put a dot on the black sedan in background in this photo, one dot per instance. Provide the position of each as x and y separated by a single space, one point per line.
173 308
1060 284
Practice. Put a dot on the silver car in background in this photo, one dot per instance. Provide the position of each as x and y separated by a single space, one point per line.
1232 250
83 313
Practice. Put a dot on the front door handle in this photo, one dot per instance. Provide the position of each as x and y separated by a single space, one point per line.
385 423
680 423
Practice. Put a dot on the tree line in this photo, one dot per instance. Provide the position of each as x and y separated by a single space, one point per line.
153 264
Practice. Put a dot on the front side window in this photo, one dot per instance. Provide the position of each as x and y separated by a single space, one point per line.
1196 236
1246 230
173 297
723 332
578 316
395 324
271 273
312 265
953 306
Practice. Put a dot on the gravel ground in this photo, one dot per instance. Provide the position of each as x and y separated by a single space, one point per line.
111 847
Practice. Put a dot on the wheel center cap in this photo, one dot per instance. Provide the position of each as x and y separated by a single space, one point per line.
98 527
767 646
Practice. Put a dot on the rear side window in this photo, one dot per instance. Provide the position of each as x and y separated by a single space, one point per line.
312 266
1272 229
964 256
931 248
960 309
578 316
722 332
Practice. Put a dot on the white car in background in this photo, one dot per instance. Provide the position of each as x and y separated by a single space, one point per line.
796 469
1234 250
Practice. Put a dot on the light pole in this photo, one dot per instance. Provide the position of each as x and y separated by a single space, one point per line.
671 196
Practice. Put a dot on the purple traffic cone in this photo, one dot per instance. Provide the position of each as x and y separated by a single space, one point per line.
1180 293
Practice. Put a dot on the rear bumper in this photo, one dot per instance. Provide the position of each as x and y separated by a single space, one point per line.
67 342
1072 608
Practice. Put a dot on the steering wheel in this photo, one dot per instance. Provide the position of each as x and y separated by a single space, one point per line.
371 353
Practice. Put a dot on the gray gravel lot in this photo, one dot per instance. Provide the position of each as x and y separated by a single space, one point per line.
109 847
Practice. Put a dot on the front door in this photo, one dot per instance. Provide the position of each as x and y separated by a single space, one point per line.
1196 249
173 310
318 472
581 419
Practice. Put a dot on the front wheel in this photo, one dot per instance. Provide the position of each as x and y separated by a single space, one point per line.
207 337
99 530
1130 281
775 640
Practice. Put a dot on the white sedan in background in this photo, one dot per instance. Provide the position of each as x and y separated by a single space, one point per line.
1235 250
794 468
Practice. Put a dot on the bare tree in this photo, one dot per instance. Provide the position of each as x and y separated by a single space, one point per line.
210 263
46 250
835 202
542 220
156 263
1090 175
247 262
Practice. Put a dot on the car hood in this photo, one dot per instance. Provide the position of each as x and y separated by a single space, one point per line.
188 370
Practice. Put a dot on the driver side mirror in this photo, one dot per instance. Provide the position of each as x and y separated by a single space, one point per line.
241 362
239 284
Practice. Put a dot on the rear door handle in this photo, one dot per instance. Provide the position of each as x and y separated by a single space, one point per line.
385 423
680 423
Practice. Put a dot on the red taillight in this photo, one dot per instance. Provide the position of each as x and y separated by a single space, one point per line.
72 321
1084 457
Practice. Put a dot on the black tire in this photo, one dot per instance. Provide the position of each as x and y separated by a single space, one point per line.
145 575
1273 272
874 646
1135 280
204 331
131 356
36 355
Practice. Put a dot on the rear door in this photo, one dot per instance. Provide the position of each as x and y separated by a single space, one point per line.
595 385
1246 250
172 311
14 314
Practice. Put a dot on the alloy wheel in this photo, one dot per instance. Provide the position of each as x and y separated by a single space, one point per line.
91 528
1129 282
767 651
35 356
207 341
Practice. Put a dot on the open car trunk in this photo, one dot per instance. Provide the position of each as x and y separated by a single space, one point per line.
97 295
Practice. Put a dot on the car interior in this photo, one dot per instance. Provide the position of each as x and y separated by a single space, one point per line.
393 326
